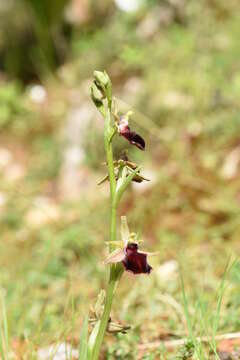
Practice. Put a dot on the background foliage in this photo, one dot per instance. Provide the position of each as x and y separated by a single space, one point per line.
175 62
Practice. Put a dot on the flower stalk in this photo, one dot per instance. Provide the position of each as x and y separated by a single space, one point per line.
101 93
112 282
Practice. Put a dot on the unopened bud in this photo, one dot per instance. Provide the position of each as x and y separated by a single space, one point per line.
97 95
103 83
102 78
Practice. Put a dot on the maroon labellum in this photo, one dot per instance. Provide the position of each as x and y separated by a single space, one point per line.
125 131
136 261
133 260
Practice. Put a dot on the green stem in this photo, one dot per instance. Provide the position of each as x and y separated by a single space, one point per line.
105 317
113 276
113 224
112 283
109 154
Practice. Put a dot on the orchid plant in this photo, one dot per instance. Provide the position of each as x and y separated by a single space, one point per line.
124 254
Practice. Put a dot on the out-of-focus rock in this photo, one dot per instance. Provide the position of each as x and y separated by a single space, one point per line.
38 94
78 12
5 158
145 185
231 164
158 17
167 271
129 5
194 129
3 199
61 351
175 99
10 169
14 172
75 177
42 212
6 5
131 89
222 42
161 16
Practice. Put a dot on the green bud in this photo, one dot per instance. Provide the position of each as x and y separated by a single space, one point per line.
101 78
96 95
103 83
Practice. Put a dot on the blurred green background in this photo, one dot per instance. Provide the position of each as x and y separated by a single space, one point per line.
175 63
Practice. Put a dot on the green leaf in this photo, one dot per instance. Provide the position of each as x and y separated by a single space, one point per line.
122 187
83 346
92 340
99 306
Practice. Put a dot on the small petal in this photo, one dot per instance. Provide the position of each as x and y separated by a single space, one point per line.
149 253
116 256
139 178
125 233
134 261
131 164
106 177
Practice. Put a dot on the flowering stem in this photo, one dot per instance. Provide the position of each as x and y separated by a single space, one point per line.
119 178
109 154
113 225
105 318
113 276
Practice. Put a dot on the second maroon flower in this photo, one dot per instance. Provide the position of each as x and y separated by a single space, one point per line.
125 131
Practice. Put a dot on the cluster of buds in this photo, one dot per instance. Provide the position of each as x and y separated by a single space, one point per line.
101 89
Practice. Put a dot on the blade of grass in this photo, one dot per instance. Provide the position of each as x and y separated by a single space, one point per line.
185 307
4 329
197 345
1 345
83 347
216 316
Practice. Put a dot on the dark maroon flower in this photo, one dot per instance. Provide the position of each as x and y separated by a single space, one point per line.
125 131
127 252
133 260
136 261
